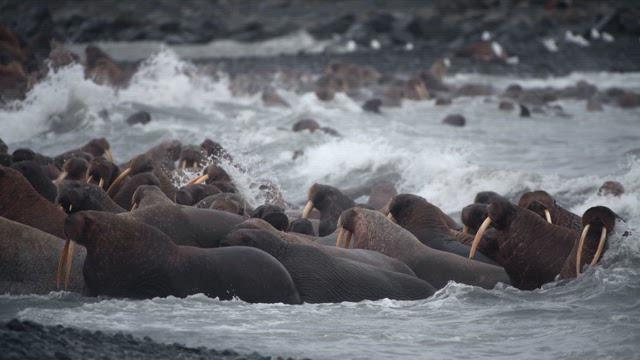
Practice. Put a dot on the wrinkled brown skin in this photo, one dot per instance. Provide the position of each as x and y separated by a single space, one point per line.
321 278
125 194
20 202
29 259
150 195
538 201
126 258
373 231
429 225
531 250
368 257
598 217
166 153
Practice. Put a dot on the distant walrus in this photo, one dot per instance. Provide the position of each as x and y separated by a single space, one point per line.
331 202
20 202
373 231
28 261
126 258
95 147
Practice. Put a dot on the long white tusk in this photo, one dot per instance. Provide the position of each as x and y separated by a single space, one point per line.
67 274
547 214
199 180
478 237
62 176
134 206
101 183
341 236
108 155
117 181
183 164
307 209
391 218
347 241
580 246
603 238
61 263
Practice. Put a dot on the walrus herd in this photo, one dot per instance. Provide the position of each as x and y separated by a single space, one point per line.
81 222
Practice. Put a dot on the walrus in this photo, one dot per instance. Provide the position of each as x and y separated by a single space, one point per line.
142 170
33 172
95 147
368 257
102 172
543 204
321 278
184 225
191 194
427 223
29 258
373 231
126 258
167 153
272 214
75 169
20 202
331 202
599 223
531 250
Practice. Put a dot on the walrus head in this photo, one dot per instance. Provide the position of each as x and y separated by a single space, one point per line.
74 196
99 147
149 194
139 164
272 214
540 202
191 157
486 197
212 174
412 212
257 238
73 169
500 214
598 218
102 172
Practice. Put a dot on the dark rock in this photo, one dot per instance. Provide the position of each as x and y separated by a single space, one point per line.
330 131
443 101
594 105
270 97
297 154
372 105
513 91
506 105
335 26
613 188
306 124
141 117
3 147
524 111
628 100
472 89
325 94
455 120
381 23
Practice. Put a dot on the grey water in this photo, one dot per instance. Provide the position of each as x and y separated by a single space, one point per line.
568 153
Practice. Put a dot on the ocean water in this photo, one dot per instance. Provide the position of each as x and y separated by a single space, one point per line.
568 154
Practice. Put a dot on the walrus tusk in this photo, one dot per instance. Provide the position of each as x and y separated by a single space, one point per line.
62 262
108 155
307 209
134 206
67 274
580 246
117 181
183 164
603 237
62 176
344 238
391 218
465 229
547 215
199 180
478 237
101 183
341 235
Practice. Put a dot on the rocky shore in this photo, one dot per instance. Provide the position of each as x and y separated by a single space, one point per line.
29 340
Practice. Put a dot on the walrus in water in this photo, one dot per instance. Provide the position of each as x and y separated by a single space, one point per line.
429 225
373 231
126 258
20 202
531 250
543 204
331 202
185 225
28 261
321 278
599 223
368 257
